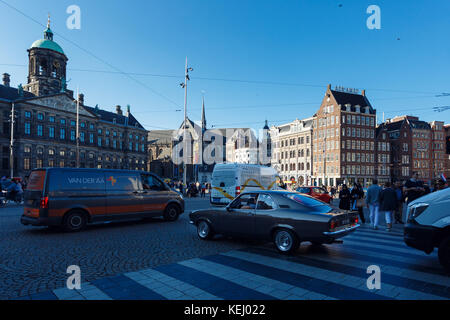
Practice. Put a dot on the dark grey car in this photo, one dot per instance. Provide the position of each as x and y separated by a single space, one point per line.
287 218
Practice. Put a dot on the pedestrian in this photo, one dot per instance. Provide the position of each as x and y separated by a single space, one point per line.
413 188
388 203
181 187
357 196
344 198
203 190
373 202
400 199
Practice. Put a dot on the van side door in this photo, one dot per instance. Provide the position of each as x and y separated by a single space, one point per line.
124 194
76 189
155 195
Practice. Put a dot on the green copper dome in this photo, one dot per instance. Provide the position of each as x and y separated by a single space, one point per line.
47 44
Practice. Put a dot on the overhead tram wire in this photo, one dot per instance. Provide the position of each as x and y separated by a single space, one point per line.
434 94
93 55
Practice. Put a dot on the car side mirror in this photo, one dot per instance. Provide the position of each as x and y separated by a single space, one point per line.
229 209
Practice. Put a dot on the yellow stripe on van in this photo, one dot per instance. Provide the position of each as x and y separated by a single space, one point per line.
227 195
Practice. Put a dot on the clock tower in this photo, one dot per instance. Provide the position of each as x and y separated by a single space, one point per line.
47 66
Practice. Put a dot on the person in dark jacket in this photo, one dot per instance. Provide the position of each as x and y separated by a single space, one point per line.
388 203
356 194
344 197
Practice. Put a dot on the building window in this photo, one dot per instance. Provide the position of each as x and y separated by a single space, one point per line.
27 114
26 163
51 118
27 128
73 123
51 132
51 152
39 130
72 135
82 137
62 121
91 138
99 141
40 116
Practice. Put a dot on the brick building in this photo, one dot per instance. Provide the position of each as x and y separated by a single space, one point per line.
417 146
45 121
344 139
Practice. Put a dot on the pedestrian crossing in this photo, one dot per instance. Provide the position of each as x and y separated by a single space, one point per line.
259 272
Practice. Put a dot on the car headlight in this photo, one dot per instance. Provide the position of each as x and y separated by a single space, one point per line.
416 209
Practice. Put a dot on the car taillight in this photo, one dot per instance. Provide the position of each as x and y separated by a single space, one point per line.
238 190
356 221
44 203
333 224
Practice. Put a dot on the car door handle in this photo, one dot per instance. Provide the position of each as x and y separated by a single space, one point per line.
139 192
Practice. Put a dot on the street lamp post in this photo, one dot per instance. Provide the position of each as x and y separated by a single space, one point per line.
184 85
11 151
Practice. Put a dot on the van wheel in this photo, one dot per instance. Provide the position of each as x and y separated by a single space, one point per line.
285 241
204 230
171 213
444 253
75 221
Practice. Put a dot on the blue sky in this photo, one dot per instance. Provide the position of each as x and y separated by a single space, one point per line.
295 48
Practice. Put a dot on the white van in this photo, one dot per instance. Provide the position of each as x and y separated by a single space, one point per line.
428 225
230 179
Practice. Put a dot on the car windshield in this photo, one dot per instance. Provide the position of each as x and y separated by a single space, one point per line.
309 202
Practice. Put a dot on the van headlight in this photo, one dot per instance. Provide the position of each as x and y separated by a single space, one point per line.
416 210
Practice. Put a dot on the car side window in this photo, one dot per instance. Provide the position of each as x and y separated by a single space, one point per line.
265 202
246 201
149 182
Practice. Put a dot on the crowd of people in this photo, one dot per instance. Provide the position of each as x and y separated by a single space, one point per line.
388 199
12 189
193 189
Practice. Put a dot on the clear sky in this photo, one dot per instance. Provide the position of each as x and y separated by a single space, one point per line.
294 48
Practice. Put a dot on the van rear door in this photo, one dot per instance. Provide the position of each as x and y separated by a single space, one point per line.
34 193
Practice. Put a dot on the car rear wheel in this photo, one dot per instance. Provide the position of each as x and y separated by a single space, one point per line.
444 253
204 230
171 213
75 221
286 241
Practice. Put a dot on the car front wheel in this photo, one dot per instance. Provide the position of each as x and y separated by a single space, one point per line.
286 241
444 253
204 230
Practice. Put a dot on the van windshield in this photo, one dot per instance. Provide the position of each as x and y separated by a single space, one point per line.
36 181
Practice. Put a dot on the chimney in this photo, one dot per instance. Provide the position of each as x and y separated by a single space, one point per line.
81 99
363 93
6 79
119 110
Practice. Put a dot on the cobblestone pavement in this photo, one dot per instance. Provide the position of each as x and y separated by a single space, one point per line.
35 259
329 272
159 260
